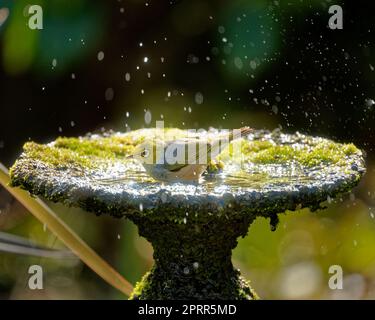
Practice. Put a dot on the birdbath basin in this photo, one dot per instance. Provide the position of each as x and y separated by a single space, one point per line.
192 227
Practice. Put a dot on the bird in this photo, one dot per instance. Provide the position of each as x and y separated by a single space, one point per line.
185 159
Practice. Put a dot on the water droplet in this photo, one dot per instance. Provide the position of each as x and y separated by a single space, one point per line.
127 114
118 237
221 29
196 265
54 63
109 94
238 63
372 214
145 59
253 64
275 109
192 59
100 55
198 98
186 270
148 117
369 103
141 207
127 76
72 124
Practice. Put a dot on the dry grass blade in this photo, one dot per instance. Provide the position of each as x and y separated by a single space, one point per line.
43 213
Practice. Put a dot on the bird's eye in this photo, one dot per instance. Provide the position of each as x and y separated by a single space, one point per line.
145 153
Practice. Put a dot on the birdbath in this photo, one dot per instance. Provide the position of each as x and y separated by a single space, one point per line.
193 228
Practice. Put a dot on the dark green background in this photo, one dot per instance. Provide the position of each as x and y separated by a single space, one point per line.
262 63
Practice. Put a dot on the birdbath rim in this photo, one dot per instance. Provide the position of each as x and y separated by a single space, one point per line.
281 172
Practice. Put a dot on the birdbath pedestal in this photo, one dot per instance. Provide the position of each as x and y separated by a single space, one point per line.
192 227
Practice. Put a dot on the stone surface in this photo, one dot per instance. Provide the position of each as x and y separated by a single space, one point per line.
272 183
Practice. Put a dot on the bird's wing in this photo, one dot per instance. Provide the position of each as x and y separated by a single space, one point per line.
200 151
195 151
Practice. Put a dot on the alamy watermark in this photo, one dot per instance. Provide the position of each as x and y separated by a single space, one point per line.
36 279
35 13
336 21
335 281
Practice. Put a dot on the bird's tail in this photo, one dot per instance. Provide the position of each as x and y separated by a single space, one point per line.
243 132
215 148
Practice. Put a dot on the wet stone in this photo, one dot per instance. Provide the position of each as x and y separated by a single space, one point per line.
74 171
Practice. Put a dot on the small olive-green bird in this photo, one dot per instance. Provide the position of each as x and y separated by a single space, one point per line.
183 159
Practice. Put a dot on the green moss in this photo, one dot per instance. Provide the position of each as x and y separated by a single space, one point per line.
350 149
83 152
193 260
248 147
310 155
54 156
274 154
215 167
88 151
140 286
324 152
105 147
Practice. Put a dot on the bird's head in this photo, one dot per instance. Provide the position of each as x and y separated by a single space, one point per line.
146 152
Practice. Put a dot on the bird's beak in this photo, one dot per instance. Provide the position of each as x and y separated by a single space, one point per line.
130 156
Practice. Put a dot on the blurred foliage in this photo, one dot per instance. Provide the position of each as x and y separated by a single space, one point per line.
26 49
102 64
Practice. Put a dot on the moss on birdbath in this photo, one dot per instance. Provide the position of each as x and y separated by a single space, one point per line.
192 227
